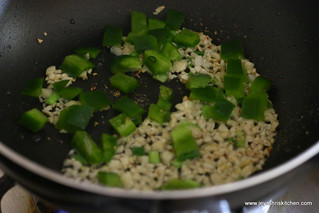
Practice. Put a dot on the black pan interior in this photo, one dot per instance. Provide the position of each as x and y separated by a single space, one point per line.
280 37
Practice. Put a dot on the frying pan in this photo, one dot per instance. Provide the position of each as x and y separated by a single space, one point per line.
280 37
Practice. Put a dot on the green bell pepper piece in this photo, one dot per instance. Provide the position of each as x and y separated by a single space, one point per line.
138 22
156 62
124 83
33 120
33 87
180 184
122 124
162 35
207 94
112 36
54 97
234 86
69 93
158 114
186 38
74 65
138 151
130 108
86 147
154 157
198 81
109 179
170 51
184 144
220 111
96 99
254 106
260 84
109 145
232 50
154 23
174 19
145 42
57 86
75 117
125 63
234 68
92 52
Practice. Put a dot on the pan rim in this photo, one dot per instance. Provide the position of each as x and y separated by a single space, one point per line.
59 178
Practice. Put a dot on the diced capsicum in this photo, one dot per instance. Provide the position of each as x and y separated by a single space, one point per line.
112 36
145 42
186 38
153 157
109 179
33 87
138 151
125 63
57 86
69 93
154 23
109 145
86 147
75 117
33 120
123 82
174 19
220 111
156 62
52 99
90 52
162 35
122 124
170 51
234 68
180 184
130 108
260 84
184 144
96 99
234 86
198 81
254 106
166 94
207 94
158 114
74 65
232 50
138 22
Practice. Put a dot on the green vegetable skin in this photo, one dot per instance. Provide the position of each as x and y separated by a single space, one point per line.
109 145
170 51
125 63
124 83
220 111
75 117
130 108
154 157
232 50
145 42
92 52
122 124
207 94
180 184
186 38
138 22
162 35
60 85
33 120
154 23
156 62
138 151
69 93
109 179
112 36
254 106
260 85
198 81
185 146
96 99
54 97
86 147
33 88
74 65
157 114
174 19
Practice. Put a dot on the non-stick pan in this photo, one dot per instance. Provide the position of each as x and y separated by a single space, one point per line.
280 37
